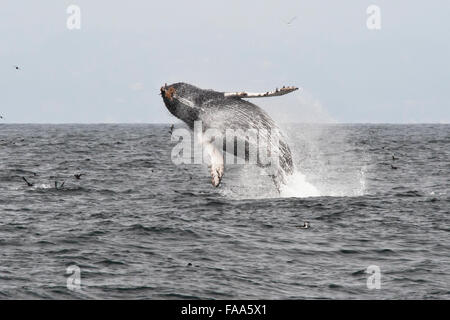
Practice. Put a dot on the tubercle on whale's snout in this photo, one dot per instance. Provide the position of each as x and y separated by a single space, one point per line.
168 92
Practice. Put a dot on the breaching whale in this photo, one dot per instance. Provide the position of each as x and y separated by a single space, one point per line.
227 110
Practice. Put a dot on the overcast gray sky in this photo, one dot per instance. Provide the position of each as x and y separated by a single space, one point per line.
112 68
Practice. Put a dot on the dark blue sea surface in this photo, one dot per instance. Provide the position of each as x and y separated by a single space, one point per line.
140 227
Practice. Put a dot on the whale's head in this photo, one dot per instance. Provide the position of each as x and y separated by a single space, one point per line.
183 101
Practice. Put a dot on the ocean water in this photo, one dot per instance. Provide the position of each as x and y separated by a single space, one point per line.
140 227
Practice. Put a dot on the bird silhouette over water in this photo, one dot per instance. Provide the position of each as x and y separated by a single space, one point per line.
28 183
171 129
394 167
78 175
394 158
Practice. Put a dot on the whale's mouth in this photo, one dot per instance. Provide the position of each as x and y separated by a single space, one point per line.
168 92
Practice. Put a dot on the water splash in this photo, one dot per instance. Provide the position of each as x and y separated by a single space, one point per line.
362 180
43 186
297 186
329 161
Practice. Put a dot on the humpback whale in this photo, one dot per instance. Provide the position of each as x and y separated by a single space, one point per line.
222 111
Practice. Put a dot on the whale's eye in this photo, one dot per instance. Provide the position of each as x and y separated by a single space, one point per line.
169 93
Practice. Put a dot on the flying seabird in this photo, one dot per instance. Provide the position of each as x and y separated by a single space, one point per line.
290 21
78 175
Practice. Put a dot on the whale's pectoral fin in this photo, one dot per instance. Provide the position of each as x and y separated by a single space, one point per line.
216 174
276 92
215 158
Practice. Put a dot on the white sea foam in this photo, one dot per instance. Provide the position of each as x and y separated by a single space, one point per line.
298 186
